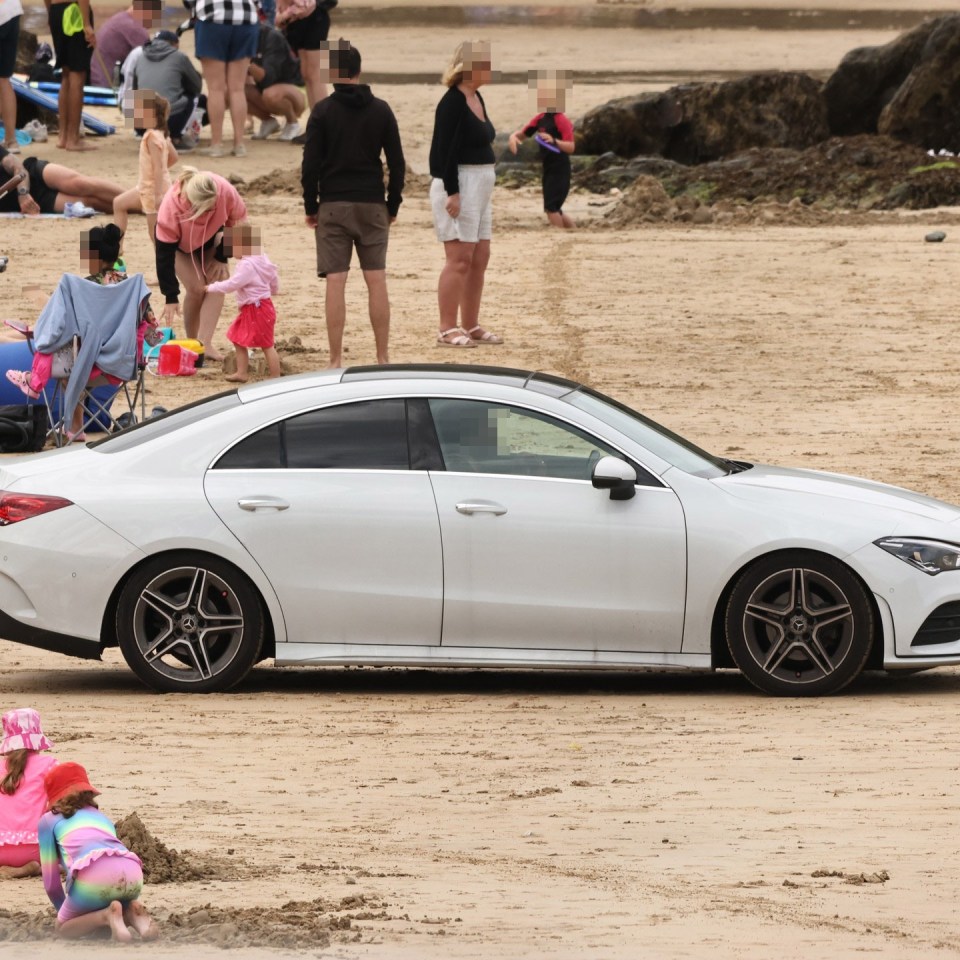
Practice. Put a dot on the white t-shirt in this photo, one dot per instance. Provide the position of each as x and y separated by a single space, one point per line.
9 9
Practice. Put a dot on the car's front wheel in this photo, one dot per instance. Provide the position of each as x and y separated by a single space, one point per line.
189 623
799 624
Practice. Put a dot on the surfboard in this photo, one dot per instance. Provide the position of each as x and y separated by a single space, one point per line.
41 99
94 96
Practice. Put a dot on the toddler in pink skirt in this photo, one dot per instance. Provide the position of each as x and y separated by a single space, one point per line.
254 281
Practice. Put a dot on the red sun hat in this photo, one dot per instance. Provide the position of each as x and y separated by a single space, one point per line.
63 779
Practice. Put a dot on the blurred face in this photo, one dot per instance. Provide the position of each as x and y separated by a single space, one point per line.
551 90
89 257
477 64
140 110
242 240
147 15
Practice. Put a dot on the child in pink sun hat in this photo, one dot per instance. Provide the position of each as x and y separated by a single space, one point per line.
23 798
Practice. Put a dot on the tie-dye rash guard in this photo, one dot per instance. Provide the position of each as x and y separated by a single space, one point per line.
74 841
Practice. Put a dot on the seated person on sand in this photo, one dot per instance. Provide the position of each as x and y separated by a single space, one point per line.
99 253
50 186
272 89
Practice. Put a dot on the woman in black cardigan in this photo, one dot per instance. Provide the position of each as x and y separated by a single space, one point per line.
461 194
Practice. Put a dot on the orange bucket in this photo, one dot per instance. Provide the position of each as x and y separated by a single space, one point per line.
176 361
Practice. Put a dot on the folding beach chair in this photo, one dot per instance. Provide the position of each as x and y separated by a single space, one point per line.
86 326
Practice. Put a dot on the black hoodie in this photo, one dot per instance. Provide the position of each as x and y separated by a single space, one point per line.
346 134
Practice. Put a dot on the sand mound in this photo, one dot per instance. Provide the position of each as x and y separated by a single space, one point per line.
163 865
17 926
286 180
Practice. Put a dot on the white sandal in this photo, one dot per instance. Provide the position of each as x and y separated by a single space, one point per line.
459 339
492 339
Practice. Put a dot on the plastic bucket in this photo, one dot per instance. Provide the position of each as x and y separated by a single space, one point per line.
176 361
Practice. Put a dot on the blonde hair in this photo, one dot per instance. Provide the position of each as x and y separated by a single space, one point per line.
462 57
199 188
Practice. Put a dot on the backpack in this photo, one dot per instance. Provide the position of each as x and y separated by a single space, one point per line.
23 427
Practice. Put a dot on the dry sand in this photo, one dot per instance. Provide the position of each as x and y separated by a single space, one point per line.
382 814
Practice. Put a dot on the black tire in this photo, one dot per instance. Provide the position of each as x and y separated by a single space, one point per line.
799 624
189 623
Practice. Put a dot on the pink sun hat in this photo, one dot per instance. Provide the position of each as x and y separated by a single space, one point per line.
22 731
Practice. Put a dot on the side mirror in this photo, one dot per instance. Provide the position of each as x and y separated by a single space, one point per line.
617 476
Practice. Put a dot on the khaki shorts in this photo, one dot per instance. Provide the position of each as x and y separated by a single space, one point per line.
343 225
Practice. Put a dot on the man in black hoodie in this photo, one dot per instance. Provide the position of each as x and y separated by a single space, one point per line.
343 198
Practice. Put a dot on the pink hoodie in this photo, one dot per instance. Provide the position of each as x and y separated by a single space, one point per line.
255 279
175 226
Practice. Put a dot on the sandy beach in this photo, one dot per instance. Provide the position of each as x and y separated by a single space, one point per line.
411 814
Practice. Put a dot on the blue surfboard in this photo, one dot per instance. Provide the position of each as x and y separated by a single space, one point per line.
44 100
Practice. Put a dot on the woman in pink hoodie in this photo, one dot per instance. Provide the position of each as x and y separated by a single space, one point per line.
191 220
255 281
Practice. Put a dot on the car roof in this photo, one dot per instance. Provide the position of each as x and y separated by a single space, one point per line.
505 376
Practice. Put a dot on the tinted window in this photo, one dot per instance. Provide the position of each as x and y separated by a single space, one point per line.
480 437
355 436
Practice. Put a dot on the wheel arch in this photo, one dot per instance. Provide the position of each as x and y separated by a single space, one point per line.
108 626
720 656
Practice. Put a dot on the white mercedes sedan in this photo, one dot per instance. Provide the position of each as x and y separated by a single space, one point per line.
469 517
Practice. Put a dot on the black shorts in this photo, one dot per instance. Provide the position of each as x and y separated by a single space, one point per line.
45 196
9 34
73 54
310 33
556 186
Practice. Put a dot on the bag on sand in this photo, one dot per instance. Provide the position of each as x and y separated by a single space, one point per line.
23 427
193 128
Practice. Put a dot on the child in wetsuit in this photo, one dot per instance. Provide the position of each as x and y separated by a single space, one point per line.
553 132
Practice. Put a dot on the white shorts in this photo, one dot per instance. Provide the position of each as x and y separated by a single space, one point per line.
476 205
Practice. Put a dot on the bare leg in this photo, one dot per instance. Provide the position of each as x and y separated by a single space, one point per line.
215 74
71 186
152 227
193 283
74 106
236 79
379 306
453 277
111 917
284 99
256 105
8 112
560 220
313 66
128 202
210 308
335 304
472 291
31 869
243 365
135 915
273 361
62 113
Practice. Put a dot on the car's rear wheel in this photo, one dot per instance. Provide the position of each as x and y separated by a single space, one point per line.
189 623
799 624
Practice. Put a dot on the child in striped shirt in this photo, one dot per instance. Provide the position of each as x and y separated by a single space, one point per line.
104 878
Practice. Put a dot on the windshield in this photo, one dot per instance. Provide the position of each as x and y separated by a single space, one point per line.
174 420
664 443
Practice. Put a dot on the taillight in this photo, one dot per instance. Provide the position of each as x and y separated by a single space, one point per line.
15 507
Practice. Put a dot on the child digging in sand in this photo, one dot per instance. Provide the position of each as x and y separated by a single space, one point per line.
22 795
553 132
254 281
104 878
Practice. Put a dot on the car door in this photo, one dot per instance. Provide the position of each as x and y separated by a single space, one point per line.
327 504
533 555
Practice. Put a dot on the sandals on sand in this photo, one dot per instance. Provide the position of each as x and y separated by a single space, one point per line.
454 337
485 336
21 379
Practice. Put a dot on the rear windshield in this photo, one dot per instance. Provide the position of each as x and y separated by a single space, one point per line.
165 423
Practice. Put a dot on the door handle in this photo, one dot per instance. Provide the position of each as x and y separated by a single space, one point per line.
262 503
481 506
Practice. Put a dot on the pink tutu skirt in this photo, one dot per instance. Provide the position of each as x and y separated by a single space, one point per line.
254 325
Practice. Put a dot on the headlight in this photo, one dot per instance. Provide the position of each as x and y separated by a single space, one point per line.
930 556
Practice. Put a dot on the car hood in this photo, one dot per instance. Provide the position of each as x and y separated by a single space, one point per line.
839 487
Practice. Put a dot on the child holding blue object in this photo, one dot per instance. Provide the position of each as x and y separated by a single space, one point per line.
553 132
104 878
